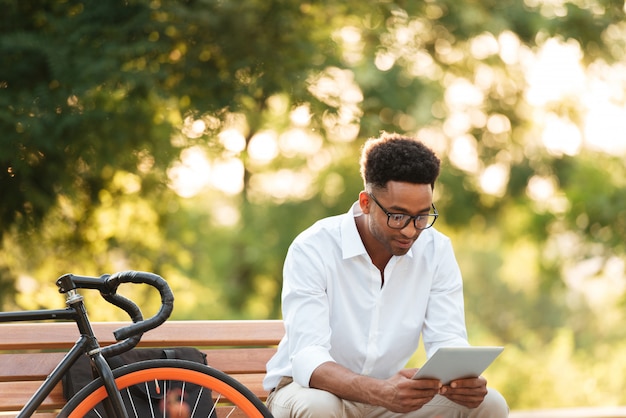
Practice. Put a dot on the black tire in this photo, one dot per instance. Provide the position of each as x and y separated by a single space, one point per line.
184 388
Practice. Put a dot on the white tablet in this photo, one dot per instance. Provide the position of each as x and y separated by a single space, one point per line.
451 363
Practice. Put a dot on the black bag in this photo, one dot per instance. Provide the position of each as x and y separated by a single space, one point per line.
143 403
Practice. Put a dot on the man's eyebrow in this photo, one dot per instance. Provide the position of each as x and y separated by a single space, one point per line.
399 209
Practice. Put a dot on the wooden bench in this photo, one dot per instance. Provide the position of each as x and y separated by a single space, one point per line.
29 352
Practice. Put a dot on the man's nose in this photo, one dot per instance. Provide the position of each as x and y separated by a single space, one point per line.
410 231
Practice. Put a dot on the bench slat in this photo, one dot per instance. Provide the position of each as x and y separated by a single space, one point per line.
16 336
36 366
16 394
240 360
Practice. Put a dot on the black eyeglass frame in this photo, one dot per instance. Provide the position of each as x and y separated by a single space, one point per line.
415 218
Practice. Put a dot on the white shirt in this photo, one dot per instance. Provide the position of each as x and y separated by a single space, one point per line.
335 309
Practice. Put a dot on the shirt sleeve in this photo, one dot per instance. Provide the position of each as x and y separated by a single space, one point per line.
306 310
444 323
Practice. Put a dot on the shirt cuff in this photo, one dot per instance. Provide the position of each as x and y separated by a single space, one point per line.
306 361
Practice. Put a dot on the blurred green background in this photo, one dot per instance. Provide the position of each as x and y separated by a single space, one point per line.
196 139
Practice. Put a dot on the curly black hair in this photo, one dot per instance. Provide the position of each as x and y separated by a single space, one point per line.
393 157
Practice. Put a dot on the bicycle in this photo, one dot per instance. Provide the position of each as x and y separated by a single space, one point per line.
109 394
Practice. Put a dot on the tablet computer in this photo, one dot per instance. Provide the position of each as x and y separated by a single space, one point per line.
451 363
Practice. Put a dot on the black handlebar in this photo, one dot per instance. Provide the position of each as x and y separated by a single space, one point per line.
130 335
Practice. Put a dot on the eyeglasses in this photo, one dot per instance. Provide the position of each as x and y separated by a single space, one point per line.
401 220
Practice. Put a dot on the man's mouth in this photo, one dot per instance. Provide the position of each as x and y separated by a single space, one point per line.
404 243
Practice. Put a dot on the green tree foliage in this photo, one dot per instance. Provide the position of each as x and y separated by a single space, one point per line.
88 86
196 138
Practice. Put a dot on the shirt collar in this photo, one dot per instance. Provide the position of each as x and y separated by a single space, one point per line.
351 243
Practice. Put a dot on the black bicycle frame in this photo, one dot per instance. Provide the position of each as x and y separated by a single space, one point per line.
87 343
127 337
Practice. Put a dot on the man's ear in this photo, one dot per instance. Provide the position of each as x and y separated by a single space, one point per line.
364 202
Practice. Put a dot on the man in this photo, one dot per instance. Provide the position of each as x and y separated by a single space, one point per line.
360 289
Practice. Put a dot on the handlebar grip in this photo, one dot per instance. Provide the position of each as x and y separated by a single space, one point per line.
135 314
156 281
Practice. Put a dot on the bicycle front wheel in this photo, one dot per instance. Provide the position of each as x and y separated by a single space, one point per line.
169 388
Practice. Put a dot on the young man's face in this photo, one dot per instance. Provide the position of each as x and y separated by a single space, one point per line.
398 198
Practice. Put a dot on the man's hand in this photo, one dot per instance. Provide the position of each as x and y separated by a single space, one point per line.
467 392
403 394
400 393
